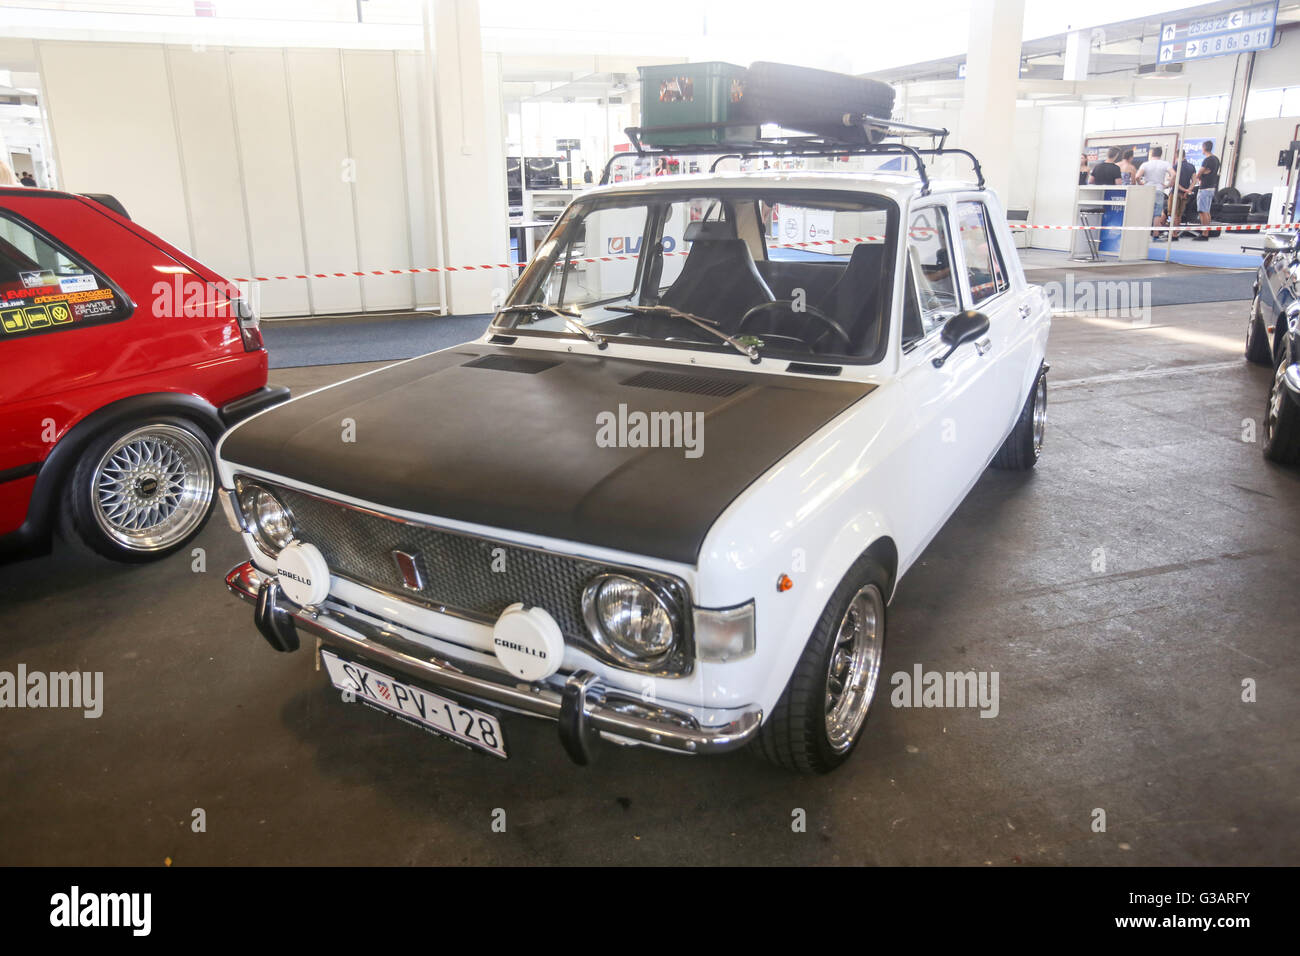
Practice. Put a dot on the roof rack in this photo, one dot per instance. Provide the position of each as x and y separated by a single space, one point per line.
801 145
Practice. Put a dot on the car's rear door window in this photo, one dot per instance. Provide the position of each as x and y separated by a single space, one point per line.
45 288
984 266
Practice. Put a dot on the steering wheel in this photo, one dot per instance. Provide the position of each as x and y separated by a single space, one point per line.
830 325
934 300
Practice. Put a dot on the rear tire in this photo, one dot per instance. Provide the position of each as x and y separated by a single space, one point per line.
1257 348
814 101
1024 445
140 491
1282 420
822 714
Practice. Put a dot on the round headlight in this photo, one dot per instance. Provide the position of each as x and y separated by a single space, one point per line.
269 520
628 619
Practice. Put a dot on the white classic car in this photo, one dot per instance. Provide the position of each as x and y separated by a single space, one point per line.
666 498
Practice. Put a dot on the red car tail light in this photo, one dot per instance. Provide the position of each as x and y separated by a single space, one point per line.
249 323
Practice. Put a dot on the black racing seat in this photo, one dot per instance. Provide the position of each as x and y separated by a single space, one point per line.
719 279
854 300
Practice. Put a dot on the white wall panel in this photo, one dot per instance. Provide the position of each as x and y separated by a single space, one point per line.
419 203
495 212
1279 66
1260 143
211 163
1024 160
321 135
112 122
376 137
270 180
1057 176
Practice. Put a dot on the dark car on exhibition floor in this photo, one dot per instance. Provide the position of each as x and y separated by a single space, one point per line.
1273 340
124 360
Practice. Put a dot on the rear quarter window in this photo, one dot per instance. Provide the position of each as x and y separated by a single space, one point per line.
45 288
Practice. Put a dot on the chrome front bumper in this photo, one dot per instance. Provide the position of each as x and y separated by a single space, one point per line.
584 710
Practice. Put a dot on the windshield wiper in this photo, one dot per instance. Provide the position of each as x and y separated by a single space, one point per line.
572 320
749 351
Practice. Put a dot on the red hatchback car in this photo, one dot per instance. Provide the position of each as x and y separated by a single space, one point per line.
122 360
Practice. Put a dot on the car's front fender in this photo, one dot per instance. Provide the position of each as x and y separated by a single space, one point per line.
809 518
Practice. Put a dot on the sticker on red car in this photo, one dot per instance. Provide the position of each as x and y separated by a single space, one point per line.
90 296
49 313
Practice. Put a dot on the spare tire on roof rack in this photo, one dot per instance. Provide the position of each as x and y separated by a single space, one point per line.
816 101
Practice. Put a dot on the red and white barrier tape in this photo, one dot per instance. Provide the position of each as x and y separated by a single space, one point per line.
1188 227
367 274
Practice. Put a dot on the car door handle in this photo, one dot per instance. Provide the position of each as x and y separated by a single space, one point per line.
983 346
1025 311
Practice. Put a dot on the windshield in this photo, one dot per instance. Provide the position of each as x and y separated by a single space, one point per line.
792 273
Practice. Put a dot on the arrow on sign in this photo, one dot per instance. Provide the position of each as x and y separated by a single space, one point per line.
1234 19
1167 53
1169 33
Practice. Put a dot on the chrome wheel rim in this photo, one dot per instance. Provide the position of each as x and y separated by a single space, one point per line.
854 667
152 487
1040 413
1275 398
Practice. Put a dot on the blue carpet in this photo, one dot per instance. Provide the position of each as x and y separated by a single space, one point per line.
378 338
1203 257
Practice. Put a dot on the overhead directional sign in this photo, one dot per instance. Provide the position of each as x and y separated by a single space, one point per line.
1233 31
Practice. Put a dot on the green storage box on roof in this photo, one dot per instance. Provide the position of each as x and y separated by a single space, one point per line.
682 93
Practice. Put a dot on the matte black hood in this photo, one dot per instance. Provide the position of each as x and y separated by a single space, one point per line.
507 437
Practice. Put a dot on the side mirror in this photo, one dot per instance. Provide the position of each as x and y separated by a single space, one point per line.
963 327
1278 242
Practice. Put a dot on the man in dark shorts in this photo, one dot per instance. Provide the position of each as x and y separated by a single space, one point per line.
1106 173
1208 179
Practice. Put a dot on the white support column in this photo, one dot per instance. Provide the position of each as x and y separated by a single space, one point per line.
988 111
1078 50
469 211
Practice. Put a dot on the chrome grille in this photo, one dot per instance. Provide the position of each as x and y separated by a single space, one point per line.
459 573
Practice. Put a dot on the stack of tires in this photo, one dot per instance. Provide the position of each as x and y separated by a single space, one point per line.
818 102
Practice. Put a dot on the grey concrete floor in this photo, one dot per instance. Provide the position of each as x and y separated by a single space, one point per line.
1120 687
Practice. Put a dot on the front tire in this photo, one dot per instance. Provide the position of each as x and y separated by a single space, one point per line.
821 715
1282 419
1257 349
140 491
1024 445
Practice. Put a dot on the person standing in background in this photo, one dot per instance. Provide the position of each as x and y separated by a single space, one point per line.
1083 169
27 179
1208 179
1127 171
1106 173
1182 190
1156 172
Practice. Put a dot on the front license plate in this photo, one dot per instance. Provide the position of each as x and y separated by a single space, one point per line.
435 713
